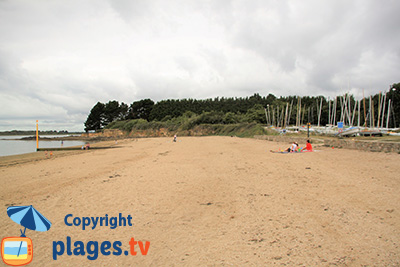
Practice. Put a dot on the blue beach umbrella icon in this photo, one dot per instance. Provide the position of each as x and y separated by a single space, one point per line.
28 217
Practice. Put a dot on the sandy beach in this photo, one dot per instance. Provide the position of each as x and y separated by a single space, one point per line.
212 201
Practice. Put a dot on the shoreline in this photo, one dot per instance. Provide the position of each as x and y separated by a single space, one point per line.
56 152
100 142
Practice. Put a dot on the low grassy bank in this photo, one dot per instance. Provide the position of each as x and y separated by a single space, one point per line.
189 127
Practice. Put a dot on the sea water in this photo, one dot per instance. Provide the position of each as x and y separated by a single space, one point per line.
14 145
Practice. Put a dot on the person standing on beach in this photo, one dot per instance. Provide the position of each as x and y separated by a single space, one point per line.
175 138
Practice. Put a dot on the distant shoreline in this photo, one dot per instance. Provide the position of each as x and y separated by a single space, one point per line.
19 133
55 138
23 158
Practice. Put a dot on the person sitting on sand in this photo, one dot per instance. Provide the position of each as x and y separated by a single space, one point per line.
308 146
292 148
295 147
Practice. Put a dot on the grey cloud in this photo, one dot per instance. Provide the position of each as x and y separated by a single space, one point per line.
57 59
332 37
131 10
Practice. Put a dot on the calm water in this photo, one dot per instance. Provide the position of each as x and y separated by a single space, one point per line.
15 147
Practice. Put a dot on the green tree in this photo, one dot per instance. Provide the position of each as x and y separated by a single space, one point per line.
230 118
111 112
95 119
123 111
141 109
256 114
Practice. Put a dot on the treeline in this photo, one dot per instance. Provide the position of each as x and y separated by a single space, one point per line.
282 111
224 110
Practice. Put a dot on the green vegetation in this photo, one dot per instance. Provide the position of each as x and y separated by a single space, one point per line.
207 123
218 110
234 116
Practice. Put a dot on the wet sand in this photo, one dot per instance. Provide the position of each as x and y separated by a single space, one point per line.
213 201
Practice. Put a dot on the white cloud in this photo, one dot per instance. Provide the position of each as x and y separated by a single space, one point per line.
57 59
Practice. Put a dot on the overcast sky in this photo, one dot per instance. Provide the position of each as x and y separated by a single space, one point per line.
58 58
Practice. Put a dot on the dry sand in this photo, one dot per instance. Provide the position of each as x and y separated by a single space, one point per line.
214 201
